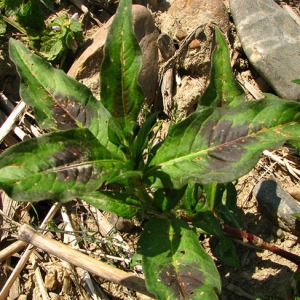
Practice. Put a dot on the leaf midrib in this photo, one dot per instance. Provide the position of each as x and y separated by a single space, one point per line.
201 152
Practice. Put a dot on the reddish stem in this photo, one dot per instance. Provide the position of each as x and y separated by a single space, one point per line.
255 240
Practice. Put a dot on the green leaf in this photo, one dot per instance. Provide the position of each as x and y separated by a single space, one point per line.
227 209
12 6
167 199
222 144
31 17
113 202
141 139
2 25
297 81
193 200
120 91
223 89
59 166
206 221
51 48
175 264
59 101
226 252
213 192
75 25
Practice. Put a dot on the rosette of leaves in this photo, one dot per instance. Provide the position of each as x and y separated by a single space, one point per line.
63 35
96 151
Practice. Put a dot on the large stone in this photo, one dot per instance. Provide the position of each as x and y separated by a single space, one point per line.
86 68
189 14
184 16
278 205
271 41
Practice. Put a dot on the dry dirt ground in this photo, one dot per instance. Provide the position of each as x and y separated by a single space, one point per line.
262 275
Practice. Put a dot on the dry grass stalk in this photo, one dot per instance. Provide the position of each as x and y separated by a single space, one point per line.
26 255
29 235
10 121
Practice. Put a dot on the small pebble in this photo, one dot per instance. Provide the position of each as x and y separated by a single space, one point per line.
181 34
194 44
280 233
289 243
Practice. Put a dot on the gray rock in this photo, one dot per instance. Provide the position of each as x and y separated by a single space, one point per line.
278 205
271 41
86 67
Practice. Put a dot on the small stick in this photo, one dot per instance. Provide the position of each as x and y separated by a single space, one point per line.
39 278
23 260
74 243
295 172
10 121
16 271
257 241
27 234
11 250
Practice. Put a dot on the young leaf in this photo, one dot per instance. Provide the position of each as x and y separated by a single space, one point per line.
208 222
297 81
31 17
193 200
59 101
223 90
227 209
226 252
222 144
119 89
141 139
166 199
175 264
3 25
59 166
213 192
113 202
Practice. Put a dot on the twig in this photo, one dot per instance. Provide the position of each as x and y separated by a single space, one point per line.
27 234
39 278
8 107
11 250
295 172
23 260
257 241
256 93
70 239
6 104
10 121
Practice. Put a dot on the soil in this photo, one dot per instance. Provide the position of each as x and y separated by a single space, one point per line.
262 274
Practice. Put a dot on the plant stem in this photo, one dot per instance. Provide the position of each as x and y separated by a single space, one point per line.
141 191
14 24
257 241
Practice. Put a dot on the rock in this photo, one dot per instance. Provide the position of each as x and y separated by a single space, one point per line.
189 14
278 205
86 67
271 41
184 16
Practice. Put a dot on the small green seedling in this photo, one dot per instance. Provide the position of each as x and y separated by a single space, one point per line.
62 35
53 41
97 152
